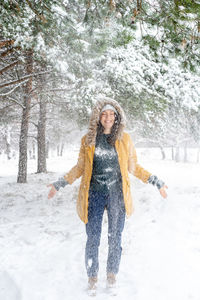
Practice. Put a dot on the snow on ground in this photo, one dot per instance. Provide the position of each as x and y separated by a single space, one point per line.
42 241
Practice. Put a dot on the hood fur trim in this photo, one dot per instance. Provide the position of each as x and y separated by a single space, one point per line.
95 116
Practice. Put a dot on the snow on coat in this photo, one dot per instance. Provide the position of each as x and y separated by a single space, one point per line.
126 155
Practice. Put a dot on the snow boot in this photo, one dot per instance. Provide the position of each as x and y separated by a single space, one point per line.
111 284
92 286
111 280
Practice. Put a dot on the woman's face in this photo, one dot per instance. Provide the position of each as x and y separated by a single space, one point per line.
107 120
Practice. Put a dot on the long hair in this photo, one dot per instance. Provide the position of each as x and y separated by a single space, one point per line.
114 130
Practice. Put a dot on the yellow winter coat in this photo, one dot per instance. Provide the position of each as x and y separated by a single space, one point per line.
127 161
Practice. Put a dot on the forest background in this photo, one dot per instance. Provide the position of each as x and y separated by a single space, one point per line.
58 57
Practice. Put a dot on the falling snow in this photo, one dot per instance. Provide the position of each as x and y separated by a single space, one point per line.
42 241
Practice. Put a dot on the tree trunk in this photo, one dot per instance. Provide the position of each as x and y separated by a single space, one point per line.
22 168
32 151
30 154
177 155
198 154
58 150
62 148
7 143
41 138
47 149
185 153
33 147
139 5
172 153
162 152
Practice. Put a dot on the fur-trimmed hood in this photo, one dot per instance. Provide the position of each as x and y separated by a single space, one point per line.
95 116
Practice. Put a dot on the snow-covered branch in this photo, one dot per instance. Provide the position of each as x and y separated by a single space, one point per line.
9 67
5 107
10 92
16 102
39 15
22 79
36 125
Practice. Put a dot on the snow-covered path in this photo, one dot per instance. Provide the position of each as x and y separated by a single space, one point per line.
42 242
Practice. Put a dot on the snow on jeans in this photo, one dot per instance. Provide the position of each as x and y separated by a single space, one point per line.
114 204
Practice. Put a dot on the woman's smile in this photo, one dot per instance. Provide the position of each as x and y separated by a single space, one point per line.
107 120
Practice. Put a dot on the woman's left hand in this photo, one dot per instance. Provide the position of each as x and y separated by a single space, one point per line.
163 191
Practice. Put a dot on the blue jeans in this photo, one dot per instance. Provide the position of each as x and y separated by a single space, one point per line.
116 217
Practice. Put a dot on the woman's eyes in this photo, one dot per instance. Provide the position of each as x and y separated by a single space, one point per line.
108 115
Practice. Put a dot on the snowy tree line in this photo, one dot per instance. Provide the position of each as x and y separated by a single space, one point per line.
57 57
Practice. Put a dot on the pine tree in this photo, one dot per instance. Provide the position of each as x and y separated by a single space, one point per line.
129 50
28 28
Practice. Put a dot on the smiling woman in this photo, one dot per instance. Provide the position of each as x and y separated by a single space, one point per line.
107 119
107 155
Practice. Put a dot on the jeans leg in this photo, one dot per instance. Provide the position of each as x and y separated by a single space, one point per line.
93 230
116 220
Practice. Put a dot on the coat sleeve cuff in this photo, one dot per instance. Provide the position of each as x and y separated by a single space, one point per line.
61 182
155 181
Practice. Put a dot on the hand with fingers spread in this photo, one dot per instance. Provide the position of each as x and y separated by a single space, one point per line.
55 186
52 191
163 192
153 179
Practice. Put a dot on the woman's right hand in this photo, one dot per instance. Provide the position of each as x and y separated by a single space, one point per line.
52 191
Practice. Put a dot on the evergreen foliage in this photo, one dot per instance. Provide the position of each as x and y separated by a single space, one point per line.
143 53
